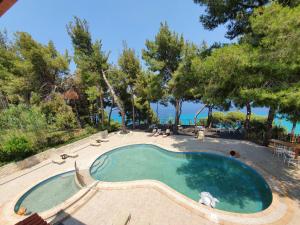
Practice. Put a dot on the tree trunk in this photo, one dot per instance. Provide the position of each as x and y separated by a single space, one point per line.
133 111
157 112
178 105
77 114
110 111
101 107
268 134
117 101
209 116
293 131
248 117
198 112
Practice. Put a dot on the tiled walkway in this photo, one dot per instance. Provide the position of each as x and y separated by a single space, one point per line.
147 205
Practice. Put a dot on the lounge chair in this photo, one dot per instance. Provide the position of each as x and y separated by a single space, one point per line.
167 133
68 155
153 132
201 135
158 133
95 144
102 140
58 160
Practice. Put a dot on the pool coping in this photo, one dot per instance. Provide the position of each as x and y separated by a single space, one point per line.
279 212
280 209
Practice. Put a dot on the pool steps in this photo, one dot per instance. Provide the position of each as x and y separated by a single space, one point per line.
100 164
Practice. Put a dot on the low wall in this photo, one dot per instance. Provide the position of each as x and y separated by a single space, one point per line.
42 156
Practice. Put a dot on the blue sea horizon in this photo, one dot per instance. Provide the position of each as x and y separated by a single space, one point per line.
189 109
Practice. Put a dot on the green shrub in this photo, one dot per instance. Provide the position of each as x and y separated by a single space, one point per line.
114 126
16 147
58 113
218 118
232 118
58 137
90 130
23 118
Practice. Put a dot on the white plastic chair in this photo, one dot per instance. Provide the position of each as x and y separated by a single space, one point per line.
280 150
289 157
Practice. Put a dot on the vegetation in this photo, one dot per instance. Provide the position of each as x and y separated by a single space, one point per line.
42 104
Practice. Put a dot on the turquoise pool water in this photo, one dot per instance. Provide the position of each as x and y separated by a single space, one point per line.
238 187
49 193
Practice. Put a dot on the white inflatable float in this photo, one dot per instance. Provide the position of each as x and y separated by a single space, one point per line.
207 199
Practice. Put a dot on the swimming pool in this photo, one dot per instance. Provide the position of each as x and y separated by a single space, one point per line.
48 193
238 187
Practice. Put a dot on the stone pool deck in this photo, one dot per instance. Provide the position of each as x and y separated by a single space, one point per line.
151 202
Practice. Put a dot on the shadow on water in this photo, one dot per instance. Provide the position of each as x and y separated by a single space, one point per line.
224 179
253 154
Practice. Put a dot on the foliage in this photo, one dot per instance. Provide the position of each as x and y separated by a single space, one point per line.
261 69
164 55
234 14
16 147
21 117
58 113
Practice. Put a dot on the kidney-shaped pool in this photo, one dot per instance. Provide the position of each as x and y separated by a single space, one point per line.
238 187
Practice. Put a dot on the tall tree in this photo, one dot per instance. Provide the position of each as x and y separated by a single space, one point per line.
289 106
39 68
130 66
90 61
163 55
183 80
278 59
233 13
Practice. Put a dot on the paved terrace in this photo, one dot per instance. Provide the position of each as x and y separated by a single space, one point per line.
151 202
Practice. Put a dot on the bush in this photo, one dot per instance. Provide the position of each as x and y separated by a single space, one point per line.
23 118
233 118
58 113
16 147
114 126
218 119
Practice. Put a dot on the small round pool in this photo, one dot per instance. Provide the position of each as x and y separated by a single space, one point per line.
238 187
48 193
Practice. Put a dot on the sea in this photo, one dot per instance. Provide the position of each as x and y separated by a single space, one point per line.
189 109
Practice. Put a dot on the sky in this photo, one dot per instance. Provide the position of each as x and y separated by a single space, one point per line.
113 22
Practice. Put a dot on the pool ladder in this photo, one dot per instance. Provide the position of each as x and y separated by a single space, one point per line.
99 164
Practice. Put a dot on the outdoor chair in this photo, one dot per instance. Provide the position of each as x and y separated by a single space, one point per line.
279 150
201 135
153 132
158 133
58 160
167 133
289 158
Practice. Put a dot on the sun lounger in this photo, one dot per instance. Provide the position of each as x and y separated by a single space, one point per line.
95 144
158 133
68 155
167 133
102 140
58 160
153 132
201 135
